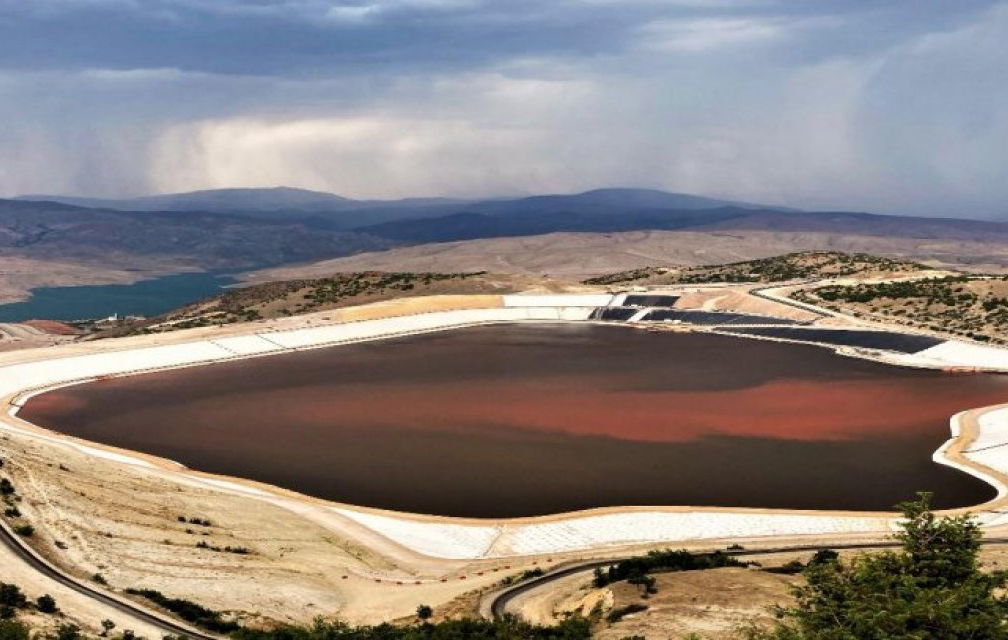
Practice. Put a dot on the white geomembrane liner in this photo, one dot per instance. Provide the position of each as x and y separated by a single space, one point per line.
993 430
463 540
438 539
247 345
656 526
471 541
954 353
558 300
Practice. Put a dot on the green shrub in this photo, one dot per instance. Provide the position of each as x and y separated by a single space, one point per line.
67 632
618 613
188 611
25 530
46 604
11 596
507 628
932 589
13 630
667 560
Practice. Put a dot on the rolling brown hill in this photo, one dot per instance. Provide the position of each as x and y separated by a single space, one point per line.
579 255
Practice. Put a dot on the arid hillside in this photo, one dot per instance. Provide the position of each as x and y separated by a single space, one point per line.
583 255
46 244
293 297
974 307
791 266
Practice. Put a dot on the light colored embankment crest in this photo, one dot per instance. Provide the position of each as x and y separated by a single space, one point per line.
447 537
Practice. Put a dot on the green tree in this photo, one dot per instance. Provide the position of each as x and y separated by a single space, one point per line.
67 632
424 612
13 630
931 590
46 604
11 595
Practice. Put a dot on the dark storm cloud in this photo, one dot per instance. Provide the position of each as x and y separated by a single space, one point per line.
315 37
895 105
302 37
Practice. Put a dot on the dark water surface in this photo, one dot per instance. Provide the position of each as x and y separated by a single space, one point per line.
890 340
145 298
526 420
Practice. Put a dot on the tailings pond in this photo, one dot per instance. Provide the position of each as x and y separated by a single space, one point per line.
526 420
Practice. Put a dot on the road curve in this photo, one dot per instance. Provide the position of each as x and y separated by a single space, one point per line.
13 542
495 604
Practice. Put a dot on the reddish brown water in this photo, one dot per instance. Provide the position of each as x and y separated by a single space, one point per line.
525 420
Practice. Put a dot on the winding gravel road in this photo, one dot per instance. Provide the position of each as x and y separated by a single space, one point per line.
494 605
28 555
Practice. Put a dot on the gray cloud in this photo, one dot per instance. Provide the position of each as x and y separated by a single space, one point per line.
894 106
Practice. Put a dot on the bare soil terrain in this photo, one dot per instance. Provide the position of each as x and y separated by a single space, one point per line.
790 266
714 604
292 297
583 255
974 307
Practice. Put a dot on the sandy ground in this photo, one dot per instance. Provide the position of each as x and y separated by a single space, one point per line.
73 607
738 299
580 255
714 604
28 335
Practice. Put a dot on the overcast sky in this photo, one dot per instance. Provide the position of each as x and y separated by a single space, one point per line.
897 106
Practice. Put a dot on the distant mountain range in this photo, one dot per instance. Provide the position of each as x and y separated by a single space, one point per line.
329 209
167 239
242 200
277 202
241 228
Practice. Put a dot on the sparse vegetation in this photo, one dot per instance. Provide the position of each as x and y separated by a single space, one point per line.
13 629
791 266
528 574
67 632
24 530
796 566
11 596
636 568
507 628
46 604
202 544
973 307
621 612
290 297
189 611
